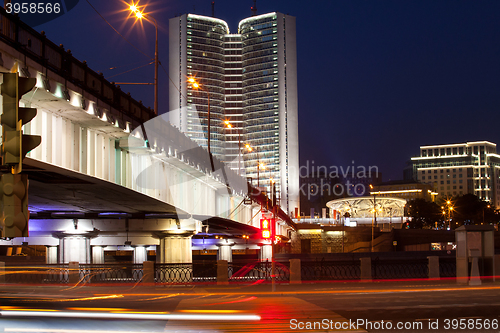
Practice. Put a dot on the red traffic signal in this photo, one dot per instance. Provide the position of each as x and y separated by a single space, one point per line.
265 226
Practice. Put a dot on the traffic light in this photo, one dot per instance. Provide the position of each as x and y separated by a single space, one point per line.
15 145
265 226
14 196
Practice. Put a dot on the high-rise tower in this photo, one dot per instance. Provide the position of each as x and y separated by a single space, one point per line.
252 81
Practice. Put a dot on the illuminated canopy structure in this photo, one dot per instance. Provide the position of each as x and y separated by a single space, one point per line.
361 209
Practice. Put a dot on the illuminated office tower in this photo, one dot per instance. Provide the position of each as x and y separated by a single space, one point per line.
252 79
196 49
458 169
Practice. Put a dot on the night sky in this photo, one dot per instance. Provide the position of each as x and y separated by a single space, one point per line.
377 79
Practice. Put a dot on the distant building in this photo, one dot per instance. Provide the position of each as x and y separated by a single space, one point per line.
458 169
408 190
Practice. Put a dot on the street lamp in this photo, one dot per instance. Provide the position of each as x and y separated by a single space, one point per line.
374 221
483 211
140 15
259 164
197 86
229 125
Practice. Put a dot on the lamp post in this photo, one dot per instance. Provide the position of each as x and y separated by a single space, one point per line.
197 86
133 8
228 125
374 221
259 164
483 211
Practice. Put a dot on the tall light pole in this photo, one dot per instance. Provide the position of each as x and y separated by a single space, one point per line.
483 211
140 15
374 221
229 125
197 86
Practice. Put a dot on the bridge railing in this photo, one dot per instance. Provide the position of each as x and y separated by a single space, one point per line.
239 271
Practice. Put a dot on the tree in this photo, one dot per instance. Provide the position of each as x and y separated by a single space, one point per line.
423 214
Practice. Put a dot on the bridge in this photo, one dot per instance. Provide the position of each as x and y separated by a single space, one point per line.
112 175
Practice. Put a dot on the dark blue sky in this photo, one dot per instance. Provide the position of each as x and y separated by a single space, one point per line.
377 79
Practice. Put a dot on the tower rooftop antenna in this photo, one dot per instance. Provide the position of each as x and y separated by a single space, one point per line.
213 8
254 8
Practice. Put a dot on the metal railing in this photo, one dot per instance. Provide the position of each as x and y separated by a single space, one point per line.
448 267
257 270
173 273
330 270
110 273
400 269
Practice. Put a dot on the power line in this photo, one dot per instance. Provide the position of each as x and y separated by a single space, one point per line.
117 30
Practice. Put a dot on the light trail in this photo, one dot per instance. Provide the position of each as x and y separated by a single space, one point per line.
128 316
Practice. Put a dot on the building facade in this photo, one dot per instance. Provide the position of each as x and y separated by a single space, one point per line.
408 190
249 79
458 169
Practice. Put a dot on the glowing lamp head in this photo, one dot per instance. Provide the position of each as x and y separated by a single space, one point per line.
138 14
133 8
265 224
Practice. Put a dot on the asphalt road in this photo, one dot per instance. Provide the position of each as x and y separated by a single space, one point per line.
355 307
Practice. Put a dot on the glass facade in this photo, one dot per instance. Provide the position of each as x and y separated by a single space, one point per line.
251 78
205 61
261 97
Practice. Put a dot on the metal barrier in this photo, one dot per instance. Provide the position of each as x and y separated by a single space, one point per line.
400 269
110 273
330 270
448 267
173 273
257 270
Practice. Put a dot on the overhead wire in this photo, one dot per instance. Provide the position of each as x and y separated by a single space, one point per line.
117 30
130 70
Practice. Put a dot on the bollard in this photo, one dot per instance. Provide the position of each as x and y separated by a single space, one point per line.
74 272
295 271
148 273
366 269
475 277
433 266
222 272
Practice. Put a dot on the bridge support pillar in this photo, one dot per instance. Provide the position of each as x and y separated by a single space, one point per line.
225 252
175 249
51 255
98 254
140 254
74 247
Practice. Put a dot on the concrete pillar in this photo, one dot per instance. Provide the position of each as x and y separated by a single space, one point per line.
295 271
74 248
222 272
140 254
497 266
266 252
148 277
366 269
225 252
98 254
175 249
51 255
433 267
